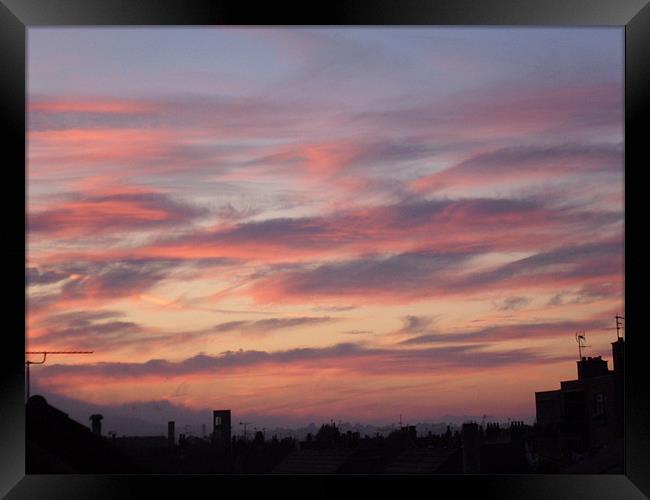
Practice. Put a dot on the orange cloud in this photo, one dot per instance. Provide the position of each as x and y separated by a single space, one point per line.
99 105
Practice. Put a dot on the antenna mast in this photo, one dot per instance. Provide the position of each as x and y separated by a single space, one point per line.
245 424
581 339
42 361
618 326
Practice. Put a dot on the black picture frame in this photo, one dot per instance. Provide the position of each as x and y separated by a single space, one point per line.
18 15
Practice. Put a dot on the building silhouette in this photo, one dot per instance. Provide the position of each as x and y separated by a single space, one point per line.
586 413
56 444
579 429
96 420
171 433
471 448
492 449
221 428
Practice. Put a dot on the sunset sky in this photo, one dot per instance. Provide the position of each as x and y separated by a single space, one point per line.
308 224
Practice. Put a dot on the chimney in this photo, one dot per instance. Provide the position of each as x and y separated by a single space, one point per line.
471 443
618 355
591 367
96 422
171 437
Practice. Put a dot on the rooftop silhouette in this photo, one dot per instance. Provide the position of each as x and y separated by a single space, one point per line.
579 429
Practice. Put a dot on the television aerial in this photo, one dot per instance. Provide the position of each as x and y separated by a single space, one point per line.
619 326
581 339
42 361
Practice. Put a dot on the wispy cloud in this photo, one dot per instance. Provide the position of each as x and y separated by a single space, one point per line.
193 204
513 303
132 210
514 331
35 276
415 275
347 356
525 163
263 326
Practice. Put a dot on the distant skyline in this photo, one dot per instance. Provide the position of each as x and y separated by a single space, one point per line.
315 224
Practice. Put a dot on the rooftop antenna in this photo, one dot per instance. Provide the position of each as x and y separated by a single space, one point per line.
618 326
42 361
245 424
581 339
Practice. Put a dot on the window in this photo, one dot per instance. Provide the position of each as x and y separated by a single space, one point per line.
599 404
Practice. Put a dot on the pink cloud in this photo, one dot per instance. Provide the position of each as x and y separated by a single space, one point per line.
88 105
103 210
525 164
414 276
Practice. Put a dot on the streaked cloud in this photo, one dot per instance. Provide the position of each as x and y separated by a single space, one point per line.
349 356
514 331
443 195
133 210
263 326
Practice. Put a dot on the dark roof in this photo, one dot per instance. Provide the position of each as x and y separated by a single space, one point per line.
504 458
142 442
419 461
313 461
607 460
56 443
